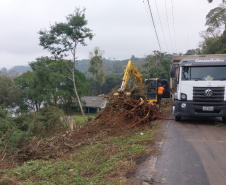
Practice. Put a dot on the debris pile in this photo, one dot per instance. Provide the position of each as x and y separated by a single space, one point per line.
129 112
121 116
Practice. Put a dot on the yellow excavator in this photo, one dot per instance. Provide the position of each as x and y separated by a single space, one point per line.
150 85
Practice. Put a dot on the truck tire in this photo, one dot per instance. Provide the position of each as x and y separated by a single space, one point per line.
177 118
224 119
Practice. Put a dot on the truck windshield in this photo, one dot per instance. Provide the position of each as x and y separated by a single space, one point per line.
203 73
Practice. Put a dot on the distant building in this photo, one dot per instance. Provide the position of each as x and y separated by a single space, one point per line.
93 104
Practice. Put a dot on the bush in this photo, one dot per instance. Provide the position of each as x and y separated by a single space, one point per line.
23 121
3 113
46 122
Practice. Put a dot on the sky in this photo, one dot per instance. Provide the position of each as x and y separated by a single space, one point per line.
122 28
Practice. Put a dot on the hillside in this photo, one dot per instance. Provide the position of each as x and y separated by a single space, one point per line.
14 71
110 66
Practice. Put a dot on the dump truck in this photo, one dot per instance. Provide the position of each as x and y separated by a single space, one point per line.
151 85
197 86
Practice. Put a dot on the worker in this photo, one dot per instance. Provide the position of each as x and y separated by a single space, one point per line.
160 94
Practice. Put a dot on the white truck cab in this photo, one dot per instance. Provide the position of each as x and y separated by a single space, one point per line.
198 86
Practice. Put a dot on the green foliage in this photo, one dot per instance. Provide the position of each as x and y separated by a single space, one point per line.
17 139
218 124
5 123
31 90
62 37
3 113
91 164
211 46
50 82
97 71
111 82
214 40
47 121
17 132
65 37
157 66
22 121
217 17
80 120
9 93
5 126
10 135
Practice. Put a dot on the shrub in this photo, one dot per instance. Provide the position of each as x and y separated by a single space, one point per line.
46 122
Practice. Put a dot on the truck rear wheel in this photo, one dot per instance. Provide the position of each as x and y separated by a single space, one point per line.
177 118
224 119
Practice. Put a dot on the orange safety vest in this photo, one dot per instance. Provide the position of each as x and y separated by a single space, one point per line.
160 90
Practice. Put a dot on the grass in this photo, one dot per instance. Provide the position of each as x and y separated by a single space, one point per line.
105 161
80 119
218 124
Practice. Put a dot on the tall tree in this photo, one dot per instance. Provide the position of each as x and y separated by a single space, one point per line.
96 69
65 37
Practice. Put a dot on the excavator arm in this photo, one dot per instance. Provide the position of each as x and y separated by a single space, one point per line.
131 70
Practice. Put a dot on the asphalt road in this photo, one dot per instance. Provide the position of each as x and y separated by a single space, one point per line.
193 153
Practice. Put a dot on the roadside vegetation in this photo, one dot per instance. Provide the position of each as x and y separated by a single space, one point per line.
105 161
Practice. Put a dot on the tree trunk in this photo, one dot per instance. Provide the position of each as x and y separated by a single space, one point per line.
75 88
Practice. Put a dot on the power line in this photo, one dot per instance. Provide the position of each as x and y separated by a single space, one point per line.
161 25
168 26
154 25
174 26
149 17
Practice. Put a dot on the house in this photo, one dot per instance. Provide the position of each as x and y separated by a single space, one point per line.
93 104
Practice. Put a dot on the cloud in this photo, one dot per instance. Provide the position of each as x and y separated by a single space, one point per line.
121 28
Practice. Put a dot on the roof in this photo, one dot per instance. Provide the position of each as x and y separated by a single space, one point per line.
94 101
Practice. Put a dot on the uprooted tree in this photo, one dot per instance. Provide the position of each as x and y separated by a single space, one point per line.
63 38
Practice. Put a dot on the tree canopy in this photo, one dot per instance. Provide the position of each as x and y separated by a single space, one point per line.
50 83
9 93
217 17
214 38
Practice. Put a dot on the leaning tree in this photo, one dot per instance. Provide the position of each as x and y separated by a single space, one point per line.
63 38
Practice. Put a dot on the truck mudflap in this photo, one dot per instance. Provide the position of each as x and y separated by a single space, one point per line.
191 108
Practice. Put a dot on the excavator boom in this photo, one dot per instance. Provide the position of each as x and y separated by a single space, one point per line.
131 70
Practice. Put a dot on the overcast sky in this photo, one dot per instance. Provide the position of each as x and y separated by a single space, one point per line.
122 28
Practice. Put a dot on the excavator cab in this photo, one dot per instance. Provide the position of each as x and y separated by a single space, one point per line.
152 85
165 84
